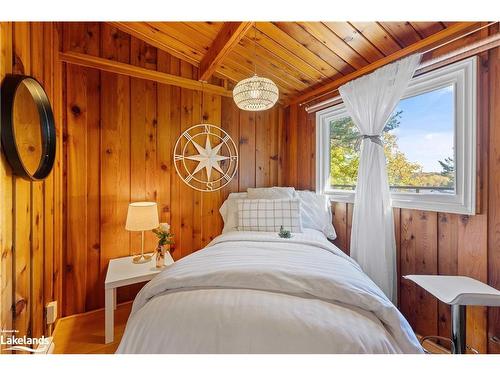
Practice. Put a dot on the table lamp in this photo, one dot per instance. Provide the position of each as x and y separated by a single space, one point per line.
142 216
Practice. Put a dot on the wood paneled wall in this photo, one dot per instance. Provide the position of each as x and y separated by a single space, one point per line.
119 136
432 242
30 212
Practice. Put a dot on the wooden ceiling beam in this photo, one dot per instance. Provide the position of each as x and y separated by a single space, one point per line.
431 41
227 38
112 66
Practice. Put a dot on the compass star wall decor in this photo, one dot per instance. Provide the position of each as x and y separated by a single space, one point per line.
205 157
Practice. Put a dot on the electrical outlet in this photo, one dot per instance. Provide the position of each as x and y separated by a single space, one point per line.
51 312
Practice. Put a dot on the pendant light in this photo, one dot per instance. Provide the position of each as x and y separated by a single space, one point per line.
255 93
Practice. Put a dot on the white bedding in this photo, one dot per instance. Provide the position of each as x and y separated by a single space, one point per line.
253 292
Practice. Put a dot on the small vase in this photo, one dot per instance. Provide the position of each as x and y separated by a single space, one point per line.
160 256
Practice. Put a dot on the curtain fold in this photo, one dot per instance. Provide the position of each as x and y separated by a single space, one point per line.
370 101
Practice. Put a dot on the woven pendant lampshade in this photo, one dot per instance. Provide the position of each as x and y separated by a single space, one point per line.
255 94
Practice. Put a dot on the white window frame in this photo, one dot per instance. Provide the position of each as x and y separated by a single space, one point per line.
463 76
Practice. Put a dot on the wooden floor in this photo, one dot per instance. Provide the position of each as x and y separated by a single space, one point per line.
84 333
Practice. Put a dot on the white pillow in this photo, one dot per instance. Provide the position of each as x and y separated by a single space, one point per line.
316 212
269 215
274 192
229 211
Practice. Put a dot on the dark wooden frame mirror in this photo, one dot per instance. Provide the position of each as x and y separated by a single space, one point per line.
10 85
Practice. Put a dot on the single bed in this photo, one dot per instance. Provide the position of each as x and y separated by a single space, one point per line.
254 292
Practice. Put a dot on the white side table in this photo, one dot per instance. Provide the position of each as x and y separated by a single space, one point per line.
458 291
122 272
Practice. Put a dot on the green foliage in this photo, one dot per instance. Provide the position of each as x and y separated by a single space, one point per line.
164 238
448 165
344 158
284 233
400 170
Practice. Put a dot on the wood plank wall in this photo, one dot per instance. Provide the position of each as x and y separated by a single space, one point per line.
30 212
119 135
432 242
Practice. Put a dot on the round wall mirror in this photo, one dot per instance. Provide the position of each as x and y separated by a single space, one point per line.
28 130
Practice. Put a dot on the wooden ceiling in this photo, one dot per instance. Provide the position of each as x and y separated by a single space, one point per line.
297 56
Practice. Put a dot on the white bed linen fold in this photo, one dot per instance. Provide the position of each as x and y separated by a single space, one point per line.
253 292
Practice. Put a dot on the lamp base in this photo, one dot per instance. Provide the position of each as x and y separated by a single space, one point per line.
141 259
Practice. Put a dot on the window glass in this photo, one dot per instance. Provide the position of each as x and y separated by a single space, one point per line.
418 145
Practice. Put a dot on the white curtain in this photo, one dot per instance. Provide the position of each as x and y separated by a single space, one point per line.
370 101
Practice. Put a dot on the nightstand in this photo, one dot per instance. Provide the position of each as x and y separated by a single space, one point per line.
122 272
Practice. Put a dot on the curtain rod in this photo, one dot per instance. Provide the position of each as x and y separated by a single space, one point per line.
308 109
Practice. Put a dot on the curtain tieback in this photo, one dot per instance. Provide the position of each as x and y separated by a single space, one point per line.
374 138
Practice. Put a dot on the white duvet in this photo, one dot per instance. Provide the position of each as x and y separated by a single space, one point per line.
253 292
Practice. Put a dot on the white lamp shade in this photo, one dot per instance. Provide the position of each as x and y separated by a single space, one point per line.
142 216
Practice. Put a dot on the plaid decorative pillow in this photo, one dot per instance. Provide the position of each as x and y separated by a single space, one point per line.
268 215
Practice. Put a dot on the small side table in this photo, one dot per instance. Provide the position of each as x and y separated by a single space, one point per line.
459 292
122 272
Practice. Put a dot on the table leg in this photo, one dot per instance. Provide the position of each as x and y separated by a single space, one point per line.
114 299
458 324
109 314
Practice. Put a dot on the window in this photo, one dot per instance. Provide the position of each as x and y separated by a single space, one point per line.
429 144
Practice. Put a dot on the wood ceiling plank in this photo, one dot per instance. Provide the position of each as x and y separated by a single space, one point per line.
282 83
233 69
158 39
297 49
268 63
241 63
402 32
233 74
334 43
457 29
228 37
184 34
355 40
288 58
246 65
315 46
208 29
292 57
447 24
139 72
376 34
425 29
